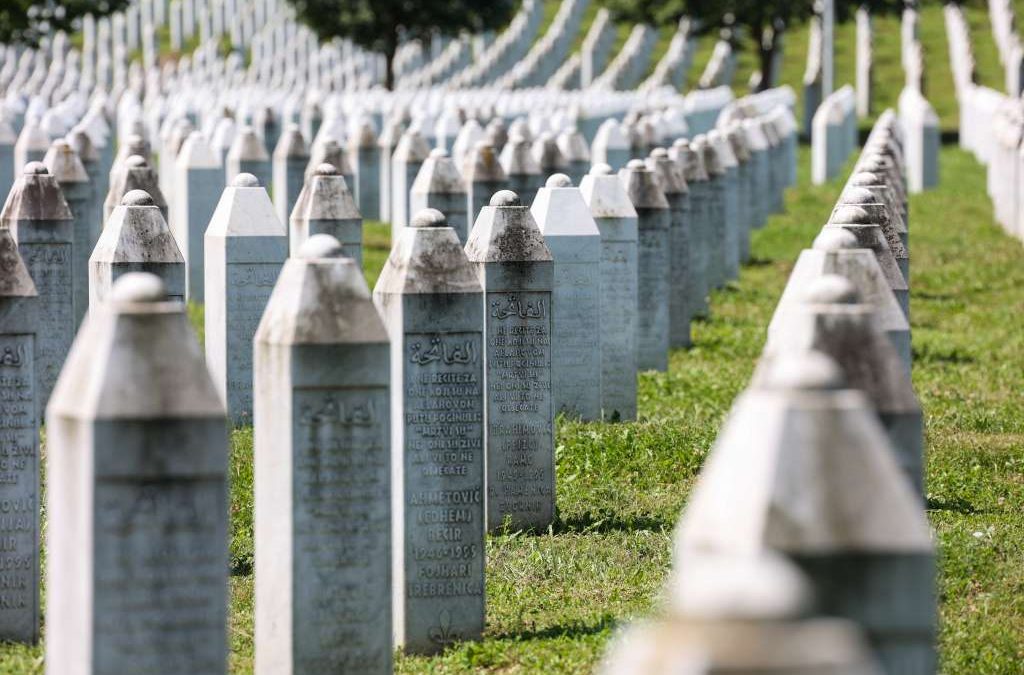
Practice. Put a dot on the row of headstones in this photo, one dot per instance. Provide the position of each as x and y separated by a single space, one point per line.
804 546
864 64
672 68
721 67
1003 18
508 48
834 135
548 53
511 306
628 67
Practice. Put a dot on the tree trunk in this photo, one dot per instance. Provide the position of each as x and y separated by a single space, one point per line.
389 74
767 45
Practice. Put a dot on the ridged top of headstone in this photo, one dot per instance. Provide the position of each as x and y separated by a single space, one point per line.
134 144
245 210
831 289
428 258
642 186
482 165
605 195
82 145
547 154
574 146
690 161
756 139
291 145
738 138
803 466
858 195
561 211
505 231
411 147
36 195
517 158
610 136
136 358
865 179
136 232
63 163
723 148
850 215
364 137
669 176
328 152
438 175
137 174
835 239
325 196
15 281
709 156
248 147
196 153
321 298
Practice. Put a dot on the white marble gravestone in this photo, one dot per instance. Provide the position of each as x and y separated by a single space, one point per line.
322 471
19 446
248 154
516 271
290 159
137 532
409 155
431 301
325 206
677 193
440 186
654 266
245 247
198 186
136 239
571 235
42 225
64 165
616 220
483 175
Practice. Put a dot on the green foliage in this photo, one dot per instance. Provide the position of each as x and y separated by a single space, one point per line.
26 21
378 25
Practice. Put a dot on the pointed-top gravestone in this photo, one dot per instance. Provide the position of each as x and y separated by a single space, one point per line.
32 144
571 235
244 248
497 133
884 194
516 271
362 148
611 145
834 320
576 152
43 227
521 170
411 152
248 155
483 175
836 251
548 155
857 221
654 264
325 206
879 213
322 471
431 301
290 159
136 239
137 466
137 174
198 186
439 186
330 152
803 467
64 165
19 443
691 163
677 193
616 220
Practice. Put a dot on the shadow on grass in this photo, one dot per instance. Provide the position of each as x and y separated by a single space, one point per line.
587 523
241 566
952 355
961 506
571 631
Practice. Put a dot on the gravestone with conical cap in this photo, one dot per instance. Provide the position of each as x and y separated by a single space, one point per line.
549 156
136 239
32 144
248 154
616 220
654 264
365 156
198 186
19 444
610 145
137 531
322 471
576 153
325 206
135 174
91 160
64 165
891 224
440 186
870 235
760 157
244 248
43 227
884 194
329 151
522 173
571 235
483 175
290 159
803 467
833 319
516 271
409 155
836 251
431 302
677 193
386 144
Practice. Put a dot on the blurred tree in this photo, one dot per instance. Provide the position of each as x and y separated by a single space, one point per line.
26 21
380 25
762 21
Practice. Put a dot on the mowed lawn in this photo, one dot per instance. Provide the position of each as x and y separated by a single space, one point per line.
555 598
